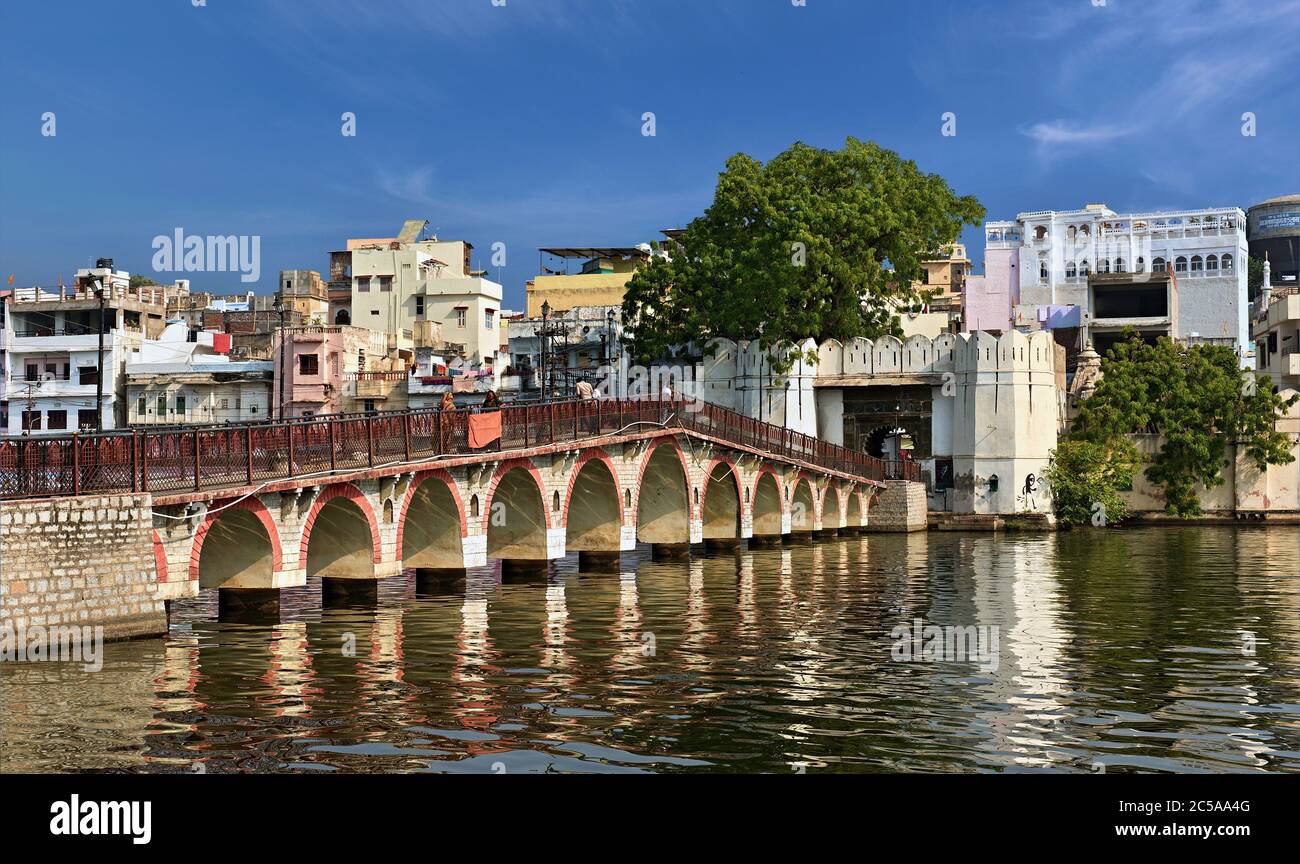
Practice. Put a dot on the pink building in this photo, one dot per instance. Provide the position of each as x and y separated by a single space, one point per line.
312 372
990 298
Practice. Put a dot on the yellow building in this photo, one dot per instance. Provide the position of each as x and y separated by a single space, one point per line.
599 281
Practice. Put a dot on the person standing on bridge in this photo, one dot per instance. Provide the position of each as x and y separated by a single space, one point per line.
448 403
584 389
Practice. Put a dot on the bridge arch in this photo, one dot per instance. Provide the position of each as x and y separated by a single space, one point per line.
593 511
432 527
853 514
832 519
515 518
236 546
663 503
721 505
766 504
159 558
347 546
803 506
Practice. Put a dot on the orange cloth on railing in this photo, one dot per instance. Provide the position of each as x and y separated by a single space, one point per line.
484 428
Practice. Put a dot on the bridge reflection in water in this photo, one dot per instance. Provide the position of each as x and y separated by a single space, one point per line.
1116 648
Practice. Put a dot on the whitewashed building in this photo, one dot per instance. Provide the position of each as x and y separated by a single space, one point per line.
174 381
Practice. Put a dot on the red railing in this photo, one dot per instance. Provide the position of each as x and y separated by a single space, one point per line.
213 457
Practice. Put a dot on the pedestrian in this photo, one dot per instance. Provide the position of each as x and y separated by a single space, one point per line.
584 389
491 400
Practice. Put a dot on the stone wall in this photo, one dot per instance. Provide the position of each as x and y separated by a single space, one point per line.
85 561
900 507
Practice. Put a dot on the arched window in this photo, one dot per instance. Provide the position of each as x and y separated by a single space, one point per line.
1141 265
1158 265
1211 263
1103 266
1071 232
342 317
1042 267
1040 232
1071 271
1227 263
1120 265
1083 268
1180 264
1085 231
555 501
1198 265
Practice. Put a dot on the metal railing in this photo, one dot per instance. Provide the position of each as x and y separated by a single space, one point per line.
214 457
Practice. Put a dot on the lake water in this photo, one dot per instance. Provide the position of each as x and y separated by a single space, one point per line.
1150 649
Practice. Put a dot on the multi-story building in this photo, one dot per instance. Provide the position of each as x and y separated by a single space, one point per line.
304 294
600 278
580 343
1276 328
337 369
52 383
178 381
401 286
943 281
1273 231
1180 273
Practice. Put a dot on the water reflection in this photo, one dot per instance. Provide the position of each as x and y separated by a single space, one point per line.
1146 650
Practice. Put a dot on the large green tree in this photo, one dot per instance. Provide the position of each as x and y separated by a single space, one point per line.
1198 400
814 243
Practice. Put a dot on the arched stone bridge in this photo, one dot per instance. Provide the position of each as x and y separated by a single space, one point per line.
254 508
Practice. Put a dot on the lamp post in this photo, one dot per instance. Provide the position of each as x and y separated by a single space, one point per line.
546 314
99 379
609 358
279 308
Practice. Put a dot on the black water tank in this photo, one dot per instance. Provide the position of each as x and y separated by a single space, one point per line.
102 263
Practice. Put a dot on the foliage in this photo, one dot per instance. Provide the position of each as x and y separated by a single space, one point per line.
138 280
1085 474
1199 400
815 243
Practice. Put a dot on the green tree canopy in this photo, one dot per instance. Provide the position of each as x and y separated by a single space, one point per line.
815 243
1199 400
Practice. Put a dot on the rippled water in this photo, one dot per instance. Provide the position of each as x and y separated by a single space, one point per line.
1162 649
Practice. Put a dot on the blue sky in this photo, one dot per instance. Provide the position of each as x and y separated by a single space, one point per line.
522 124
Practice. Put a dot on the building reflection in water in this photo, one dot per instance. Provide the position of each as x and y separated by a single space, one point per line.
555 655
629 640
290 672
477 708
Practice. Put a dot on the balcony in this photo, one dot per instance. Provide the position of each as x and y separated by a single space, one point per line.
376 385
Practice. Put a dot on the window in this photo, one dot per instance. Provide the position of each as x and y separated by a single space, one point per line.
238 402
308 364
56 419
31 420
225 404
162 406
180 406
385 283
33 372
460 317
1042 267
88 374
487 318
1103 266
1120 266
1212 263
374 311
363 283
1180 264
140 408
1227 263
87 419
1198 265
1158 266
368 405
1071 271
1083 268
1141 266
925 276
419 307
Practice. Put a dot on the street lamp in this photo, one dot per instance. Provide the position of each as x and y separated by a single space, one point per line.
279 308
609 356
546 314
